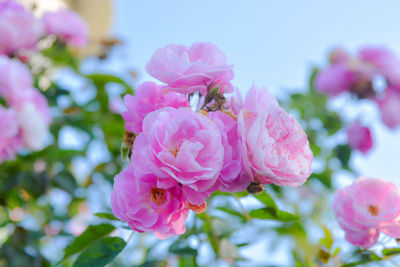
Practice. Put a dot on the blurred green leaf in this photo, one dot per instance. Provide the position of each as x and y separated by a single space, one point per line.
390 251
266 199
101 79
231 211
327 240
101 252
108 216
181 248
272 214
343 153
91 234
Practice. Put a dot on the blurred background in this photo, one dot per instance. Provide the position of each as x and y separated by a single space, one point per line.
271 43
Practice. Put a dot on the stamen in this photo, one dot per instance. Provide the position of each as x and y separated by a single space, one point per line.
374 210
157 195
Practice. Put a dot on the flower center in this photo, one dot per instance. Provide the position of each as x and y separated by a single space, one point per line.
174 151
374 210
158 196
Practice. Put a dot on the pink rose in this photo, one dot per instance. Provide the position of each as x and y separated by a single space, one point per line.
190 69
29 104
116 105
19 29
335 79
389 107
34 116
387 62
393 229
10 140
15 77
378 56
338 55
180 147
275 148
232 177
359 137
363 238
138 201
366 204
149 97
68 26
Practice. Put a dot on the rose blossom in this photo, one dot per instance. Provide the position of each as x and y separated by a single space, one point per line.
335 79
180 147
346 74
275 148
68 26
190 69
389 107
363 238
15 77
147 208
338 55
149 97
366 207
232 178
19 29
10 141
386 61
359 137
34 126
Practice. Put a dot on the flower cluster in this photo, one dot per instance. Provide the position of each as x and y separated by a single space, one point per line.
25 118
366 208
191 139
24 111
373 75
20 30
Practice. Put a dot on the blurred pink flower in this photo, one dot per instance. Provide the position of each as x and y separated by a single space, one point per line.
190 69
363 238
232 177
385 60
393 229
275 148
149 97
19 29
34 127
138 201
68 26
366 204
335 79
15 77
389 107
29 104
116 105
338 55
180 147
10 139
359 137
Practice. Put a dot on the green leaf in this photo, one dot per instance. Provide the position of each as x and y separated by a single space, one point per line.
272 214
232 212
101 252
182 249
266 199
101 79
91 234
326 241
108 216
390 251
343 153
241 194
